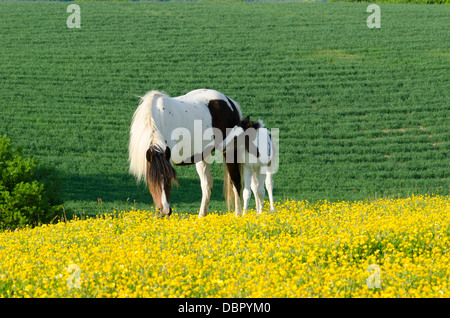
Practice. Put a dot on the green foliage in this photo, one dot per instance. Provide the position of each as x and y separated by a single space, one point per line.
29 194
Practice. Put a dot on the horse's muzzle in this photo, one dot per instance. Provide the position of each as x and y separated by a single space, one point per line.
167 210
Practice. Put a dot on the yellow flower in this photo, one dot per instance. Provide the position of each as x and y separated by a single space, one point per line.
320 249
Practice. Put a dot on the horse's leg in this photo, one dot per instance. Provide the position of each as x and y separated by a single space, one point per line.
235 175
269 187
258 190
206 182
246 193
255 185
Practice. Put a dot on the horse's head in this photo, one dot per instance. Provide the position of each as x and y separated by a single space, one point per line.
161 174
250 133
246 123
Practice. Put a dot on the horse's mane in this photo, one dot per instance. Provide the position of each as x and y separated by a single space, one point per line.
143 133
160 170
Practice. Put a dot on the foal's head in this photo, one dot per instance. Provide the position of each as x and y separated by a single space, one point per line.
250 135
161 174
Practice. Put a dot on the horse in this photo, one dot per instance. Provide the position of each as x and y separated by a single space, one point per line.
256 152
167 131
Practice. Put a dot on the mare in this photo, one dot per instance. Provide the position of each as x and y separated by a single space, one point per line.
167 131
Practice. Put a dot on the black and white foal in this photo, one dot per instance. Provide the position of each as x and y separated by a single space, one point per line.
256 152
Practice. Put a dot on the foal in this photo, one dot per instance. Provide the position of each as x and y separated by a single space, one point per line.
255 150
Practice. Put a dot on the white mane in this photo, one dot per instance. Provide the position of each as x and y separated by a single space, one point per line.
143 133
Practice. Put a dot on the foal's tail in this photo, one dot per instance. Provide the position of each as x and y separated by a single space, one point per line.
142 131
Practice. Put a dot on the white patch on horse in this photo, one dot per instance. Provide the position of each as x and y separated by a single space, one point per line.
164 202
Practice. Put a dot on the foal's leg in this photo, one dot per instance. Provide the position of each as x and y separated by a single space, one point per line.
255 186
269 187
206 182
235 175
246 193
258 190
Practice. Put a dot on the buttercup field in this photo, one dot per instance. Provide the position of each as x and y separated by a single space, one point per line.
384 248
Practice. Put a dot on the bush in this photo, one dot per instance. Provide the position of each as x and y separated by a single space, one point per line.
29 193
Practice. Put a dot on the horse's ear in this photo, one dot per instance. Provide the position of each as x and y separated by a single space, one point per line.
149 154
167 153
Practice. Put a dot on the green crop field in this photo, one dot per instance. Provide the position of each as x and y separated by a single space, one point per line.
362 113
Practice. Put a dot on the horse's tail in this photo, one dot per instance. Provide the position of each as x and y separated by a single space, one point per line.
141 133
228 187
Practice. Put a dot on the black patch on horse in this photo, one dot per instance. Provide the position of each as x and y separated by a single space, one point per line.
222 116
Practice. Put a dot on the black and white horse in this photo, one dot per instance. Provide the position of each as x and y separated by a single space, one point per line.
167 131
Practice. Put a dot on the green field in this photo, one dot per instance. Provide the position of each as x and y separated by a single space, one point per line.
362 112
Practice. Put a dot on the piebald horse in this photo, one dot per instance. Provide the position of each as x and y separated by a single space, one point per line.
167 131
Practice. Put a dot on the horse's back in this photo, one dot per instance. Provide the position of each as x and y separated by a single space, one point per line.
192 115
201 95
223 111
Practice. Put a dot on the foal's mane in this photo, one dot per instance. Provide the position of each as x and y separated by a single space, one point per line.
246 123
160 170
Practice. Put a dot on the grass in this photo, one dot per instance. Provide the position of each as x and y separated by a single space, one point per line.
361 112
